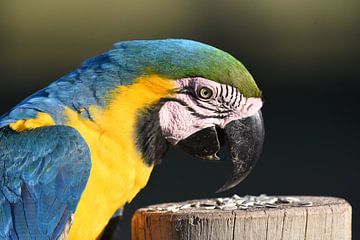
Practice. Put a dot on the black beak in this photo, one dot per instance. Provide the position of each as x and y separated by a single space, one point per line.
245 138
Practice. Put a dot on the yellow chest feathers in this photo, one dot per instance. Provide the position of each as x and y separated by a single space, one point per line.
118 171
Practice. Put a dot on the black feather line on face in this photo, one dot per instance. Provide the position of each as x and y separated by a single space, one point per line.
217 93
240 99
221 91
227 91
236 97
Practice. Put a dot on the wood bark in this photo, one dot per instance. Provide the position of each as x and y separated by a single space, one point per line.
328 219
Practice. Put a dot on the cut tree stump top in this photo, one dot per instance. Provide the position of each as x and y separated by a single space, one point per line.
323 218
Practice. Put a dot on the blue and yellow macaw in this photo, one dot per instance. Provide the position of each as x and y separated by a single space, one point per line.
78 150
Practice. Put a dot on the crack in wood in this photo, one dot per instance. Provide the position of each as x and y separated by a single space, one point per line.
306 223
283 225
234 225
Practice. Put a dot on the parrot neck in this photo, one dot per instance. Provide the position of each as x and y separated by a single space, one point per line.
119 170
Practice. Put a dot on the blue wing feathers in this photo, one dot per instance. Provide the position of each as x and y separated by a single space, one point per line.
20 224
30 211
5 216
43 173
63 221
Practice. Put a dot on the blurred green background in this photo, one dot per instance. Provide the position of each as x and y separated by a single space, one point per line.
303 54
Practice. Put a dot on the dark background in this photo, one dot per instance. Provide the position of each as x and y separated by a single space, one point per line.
304 54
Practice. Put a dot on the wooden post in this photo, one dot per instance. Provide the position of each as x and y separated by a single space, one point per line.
327 218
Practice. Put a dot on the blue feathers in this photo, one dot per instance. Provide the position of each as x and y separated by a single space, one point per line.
44 172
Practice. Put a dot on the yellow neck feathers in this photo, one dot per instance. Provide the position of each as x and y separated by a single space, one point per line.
118 171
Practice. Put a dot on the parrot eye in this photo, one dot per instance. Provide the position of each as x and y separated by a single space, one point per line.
205 93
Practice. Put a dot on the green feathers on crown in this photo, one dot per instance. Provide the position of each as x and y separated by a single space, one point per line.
178 58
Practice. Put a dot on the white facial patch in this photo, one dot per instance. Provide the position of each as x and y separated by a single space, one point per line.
188 112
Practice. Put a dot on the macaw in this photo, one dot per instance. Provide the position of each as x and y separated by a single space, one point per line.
75 152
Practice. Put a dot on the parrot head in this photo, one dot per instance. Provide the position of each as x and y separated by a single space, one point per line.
213 103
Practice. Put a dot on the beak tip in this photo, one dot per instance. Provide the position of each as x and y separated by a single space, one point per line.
222 189
245 138
227 186
232 182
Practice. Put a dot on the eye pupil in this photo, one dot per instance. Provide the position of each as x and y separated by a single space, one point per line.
205 93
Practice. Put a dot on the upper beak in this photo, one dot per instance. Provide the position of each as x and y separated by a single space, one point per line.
245 138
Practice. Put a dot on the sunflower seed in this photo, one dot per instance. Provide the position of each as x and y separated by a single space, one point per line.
305 204
195 205
288 199
210 207
186 206
243 207
270 206
248 203
207 204
219 200
236 197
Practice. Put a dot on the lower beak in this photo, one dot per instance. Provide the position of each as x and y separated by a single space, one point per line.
245 138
